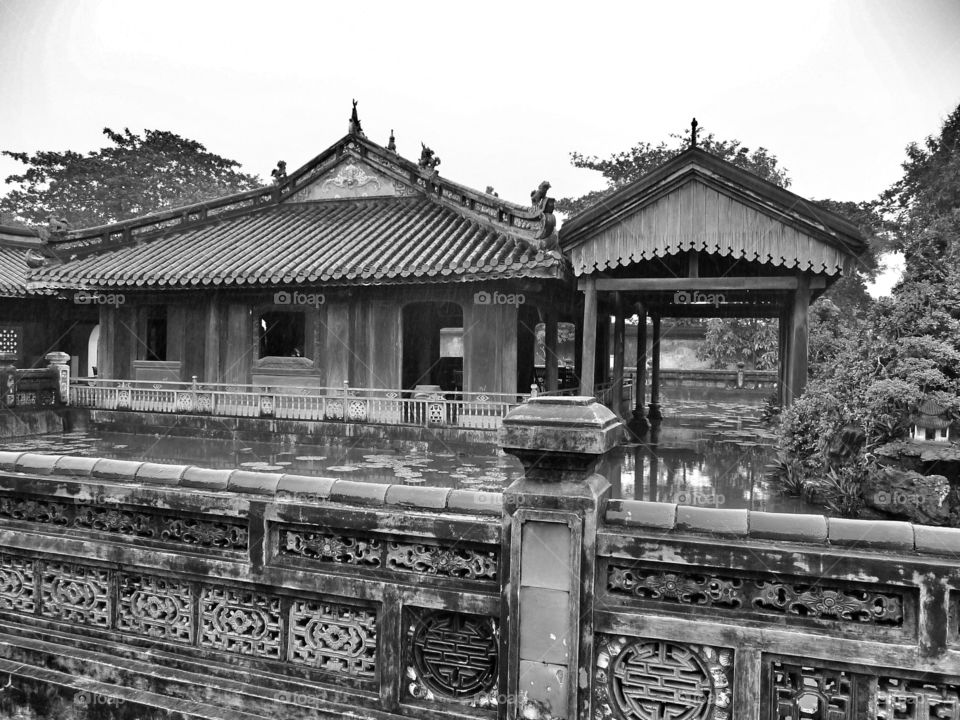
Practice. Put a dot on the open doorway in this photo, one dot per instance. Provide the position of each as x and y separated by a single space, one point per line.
433 346
92 343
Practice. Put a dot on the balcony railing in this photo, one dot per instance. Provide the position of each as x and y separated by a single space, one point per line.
470 410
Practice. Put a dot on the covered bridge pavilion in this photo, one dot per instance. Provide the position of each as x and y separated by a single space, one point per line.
700 237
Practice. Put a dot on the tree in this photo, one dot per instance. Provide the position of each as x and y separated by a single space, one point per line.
133 176
752 341
873 375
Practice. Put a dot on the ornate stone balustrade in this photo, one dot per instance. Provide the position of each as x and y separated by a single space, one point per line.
227 593
279 593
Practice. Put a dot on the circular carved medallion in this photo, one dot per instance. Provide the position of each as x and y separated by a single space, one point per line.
660 680
455 654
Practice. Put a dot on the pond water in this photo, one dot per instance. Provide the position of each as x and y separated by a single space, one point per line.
704 454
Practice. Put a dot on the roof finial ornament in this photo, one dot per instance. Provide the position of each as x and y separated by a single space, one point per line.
355 128
428 160
693 133
392 142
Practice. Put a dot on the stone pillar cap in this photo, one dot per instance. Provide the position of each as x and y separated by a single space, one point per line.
57 358
561 424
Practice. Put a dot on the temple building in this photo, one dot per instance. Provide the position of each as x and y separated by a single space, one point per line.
361 267
34 323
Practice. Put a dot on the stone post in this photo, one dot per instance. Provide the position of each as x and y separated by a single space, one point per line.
59 362
549 553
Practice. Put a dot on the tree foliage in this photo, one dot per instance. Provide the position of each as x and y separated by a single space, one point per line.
752 341
134 175
872 374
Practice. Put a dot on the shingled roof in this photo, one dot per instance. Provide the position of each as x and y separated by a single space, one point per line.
697 201
356 214
15 243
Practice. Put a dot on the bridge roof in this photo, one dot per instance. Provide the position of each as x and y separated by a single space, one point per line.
697 201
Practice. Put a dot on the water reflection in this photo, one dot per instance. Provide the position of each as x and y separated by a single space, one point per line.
712 455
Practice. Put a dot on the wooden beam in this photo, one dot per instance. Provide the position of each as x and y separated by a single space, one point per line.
696 284
589 330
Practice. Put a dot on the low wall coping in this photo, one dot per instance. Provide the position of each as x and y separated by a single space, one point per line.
285 488
786 527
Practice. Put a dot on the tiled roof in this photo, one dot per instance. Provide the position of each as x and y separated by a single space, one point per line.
14 245
13 272
369 241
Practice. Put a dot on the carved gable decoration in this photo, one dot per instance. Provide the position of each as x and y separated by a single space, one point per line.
351 179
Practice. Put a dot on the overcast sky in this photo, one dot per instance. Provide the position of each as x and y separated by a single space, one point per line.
503 92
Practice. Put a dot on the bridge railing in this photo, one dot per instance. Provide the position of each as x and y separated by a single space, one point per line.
280 594
432 408
290 596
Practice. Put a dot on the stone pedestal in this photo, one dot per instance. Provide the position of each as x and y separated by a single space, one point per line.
60 362
549 548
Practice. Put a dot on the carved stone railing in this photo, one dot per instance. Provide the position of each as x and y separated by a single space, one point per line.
711 614
36 387
280 594
763 615
205 591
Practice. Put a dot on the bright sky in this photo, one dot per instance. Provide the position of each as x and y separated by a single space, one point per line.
502 91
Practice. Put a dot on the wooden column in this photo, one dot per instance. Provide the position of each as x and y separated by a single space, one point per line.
655 413
641 389
798 337
211 350
550 349
106 342
602 358
619 330
589 330
783 350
